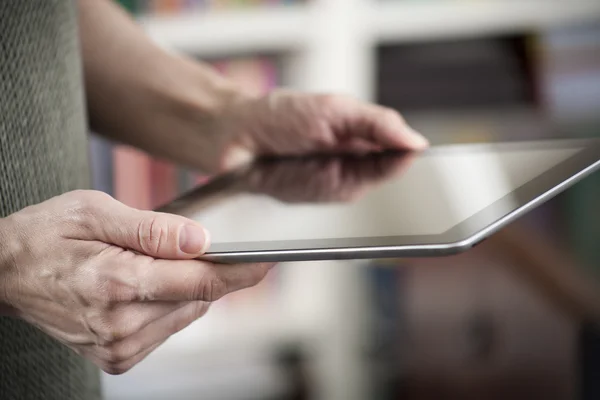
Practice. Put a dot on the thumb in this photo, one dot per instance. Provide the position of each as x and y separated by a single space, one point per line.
155 234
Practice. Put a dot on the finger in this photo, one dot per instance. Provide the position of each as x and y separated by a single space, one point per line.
358 145
126 319
389 128
165 280
380 125
155 234
117 368
122 355
135 360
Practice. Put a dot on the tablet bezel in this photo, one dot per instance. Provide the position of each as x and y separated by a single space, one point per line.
460 237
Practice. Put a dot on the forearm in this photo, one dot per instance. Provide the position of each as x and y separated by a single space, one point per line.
141 95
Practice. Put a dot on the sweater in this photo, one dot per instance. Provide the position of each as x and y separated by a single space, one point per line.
43 153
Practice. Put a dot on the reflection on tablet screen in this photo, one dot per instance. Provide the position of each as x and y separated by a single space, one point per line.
387 196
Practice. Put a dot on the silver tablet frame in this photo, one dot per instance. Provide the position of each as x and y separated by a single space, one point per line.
459 238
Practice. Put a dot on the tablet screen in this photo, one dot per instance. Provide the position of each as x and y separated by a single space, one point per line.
374 196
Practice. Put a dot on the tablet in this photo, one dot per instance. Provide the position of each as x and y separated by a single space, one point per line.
439 202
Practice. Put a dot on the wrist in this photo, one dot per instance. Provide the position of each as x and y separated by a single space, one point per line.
178 110
203 92
206 110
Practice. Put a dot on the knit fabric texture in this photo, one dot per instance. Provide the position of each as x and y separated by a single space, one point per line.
43 153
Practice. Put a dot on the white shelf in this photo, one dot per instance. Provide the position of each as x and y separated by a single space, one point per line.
287 28
230 32
401 21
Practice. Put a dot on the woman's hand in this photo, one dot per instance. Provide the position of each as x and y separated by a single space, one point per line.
294 123
109 281
174 107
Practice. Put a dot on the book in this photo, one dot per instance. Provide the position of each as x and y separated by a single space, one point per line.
101 163
164 182
175 7
457 74
132 177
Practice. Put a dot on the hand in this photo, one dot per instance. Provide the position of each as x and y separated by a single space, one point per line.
291 123
323 179
109 281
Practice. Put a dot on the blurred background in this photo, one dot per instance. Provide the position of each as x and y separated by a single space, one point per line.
515 318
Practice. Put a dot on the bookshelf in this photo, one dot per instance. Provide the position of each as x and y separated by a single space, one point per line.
227 32
330 45
283 27
396 21
354 26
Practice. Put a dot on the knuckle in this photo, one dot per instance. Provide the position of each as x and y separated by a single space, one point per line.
80 205
119 330
107 295
114 289
106 331
199 309
104 288
115 368
211 288
153 233
101 329
218 288
194 312
90 199
116 334
119 353
118 293
179 325
329 101
115 358
259 271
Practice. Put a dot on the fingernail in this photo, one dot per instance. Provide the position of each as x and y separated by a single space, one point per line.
193 239
416 138
236 157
